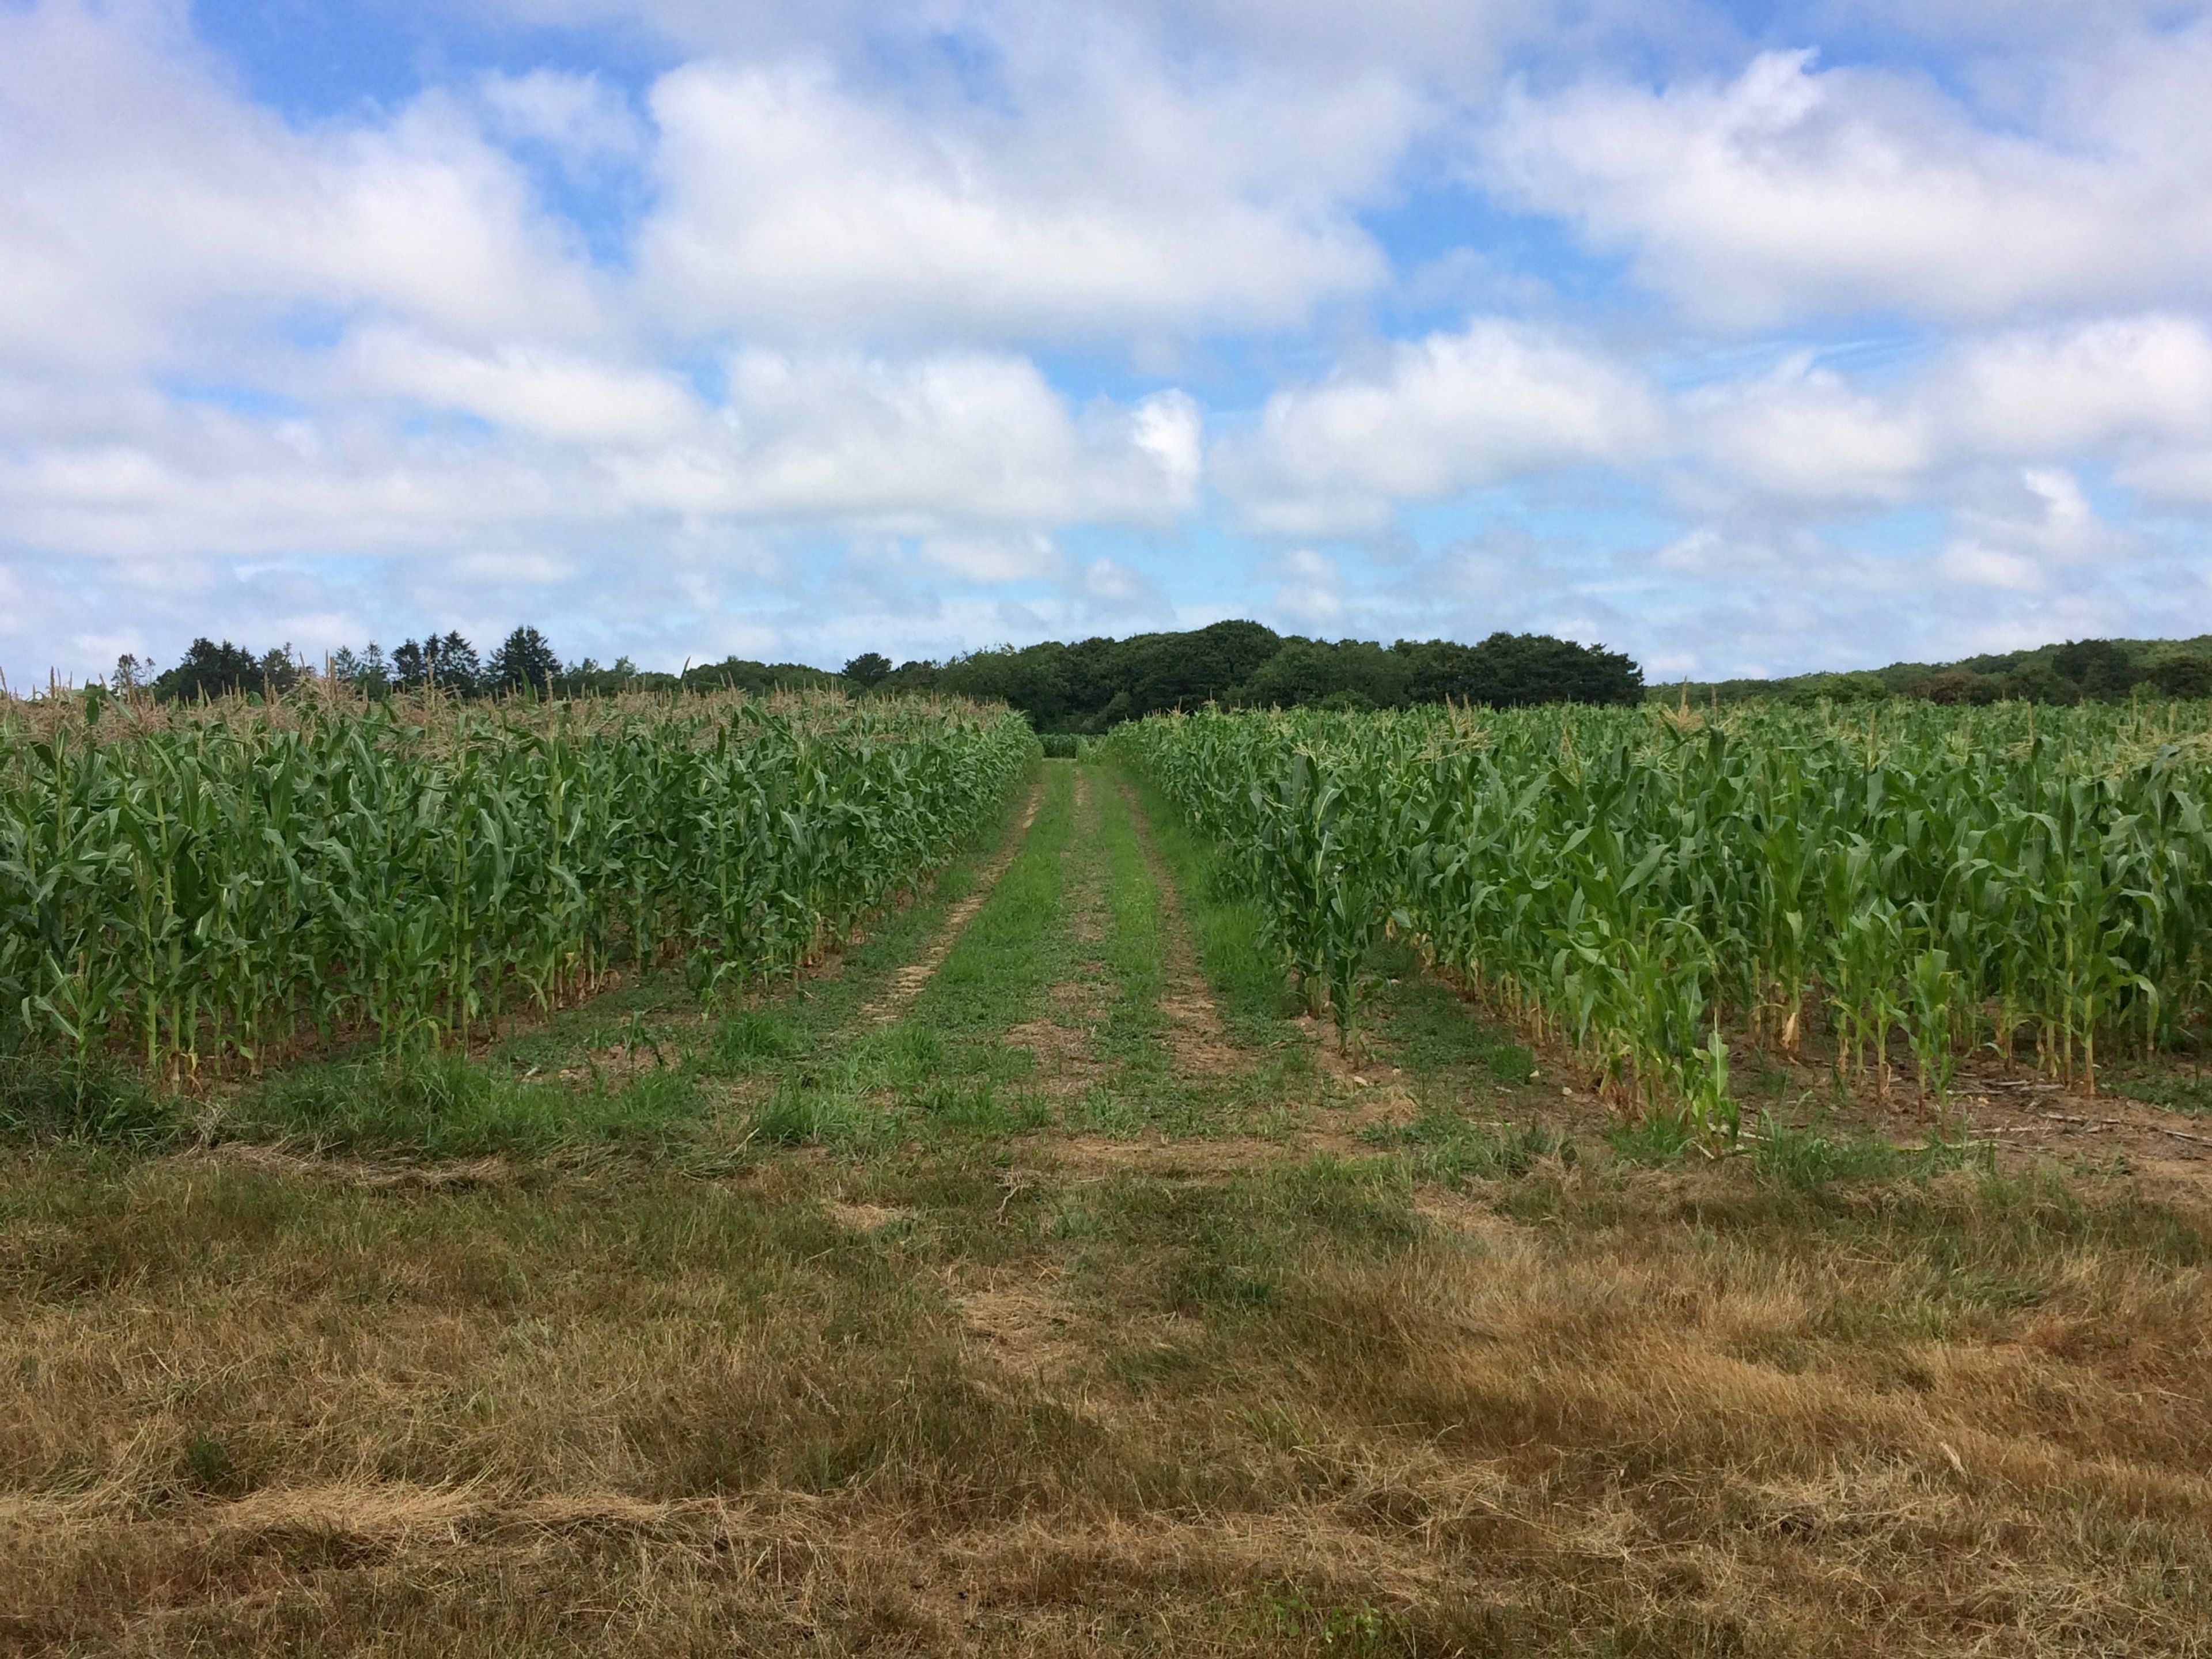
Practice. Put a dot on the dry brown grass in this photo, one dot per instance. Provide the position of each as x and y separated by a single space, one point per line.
1304 1409
1359 1386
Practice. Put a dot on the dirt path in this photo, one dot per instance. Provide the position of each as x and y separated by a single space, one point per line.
907 984
1196 1036
1059 1036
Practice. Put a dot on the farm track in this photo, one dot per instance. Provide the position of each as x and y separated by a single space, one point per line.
1200 1043
1082 1310
907 983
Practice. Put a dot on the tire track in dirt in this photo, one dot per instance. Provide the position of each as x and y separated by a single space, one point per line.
1059 1038
906 984
1195 1036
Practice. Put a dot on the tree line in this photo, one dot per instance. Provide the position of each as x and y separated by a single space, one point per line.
1088 685
1084 687
2078 670
524 664
1095 683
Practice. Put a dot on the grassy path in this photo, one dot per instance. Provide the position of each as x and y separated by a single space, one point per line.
908 982
1029 1282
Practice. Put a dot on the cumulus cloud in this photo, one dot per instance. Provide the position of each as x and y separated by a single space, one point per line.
786 201
995 559
200 219
582 120
2056 389
1802 433
1310 592
958 437
2133 393
920 330
840 439
1438 417
537 391
2044 520
1792 189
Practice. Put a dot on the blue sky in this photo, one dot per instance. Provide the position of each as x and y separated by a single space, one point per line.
1744 339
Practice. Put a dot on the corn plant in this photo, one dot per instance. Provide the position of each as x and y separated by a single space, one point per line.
210 886
1639 884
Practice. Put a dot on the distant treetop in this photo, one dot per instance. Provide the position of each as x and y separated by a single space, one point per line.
867 668
1095 683
1083 687
2078 669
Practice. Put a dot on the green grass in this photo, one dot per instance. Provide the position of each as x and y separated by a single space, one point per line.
1240 1246
1807 1159
795 1115
2172 1089
1657 1137
753 1037
1431 1029
442 1105
1135 949
1013 947
1248 978
1445 1146
46 1098
791 1021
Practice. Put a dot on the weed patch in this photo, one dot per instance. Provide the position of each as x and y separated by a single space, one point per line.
46 1099
440 1105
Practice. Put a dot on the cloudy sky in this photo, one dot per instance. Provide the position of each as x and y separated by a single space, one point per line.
1746 339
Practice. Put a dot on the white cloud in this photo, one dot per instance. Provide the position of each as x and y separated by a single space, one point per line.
195 220
1793 189
537 391
1801 433
1707 551
1977 564
788 203
2134 392
959 437
2052 392
1438 417
1110 594
1311 594
917 445
582 120
2042 520
995 559
1169 427
2182 476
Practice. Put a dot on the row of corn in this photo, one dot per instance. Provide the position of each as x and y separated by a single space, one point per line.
1902 887
218 886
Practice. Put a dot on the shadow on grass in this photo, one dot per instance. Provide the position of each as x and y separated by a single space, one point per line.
442 1105
1448 1147
1806 1160
45 1098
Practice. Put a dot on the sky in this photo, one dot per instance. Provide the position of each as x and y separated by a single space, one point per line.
1744 339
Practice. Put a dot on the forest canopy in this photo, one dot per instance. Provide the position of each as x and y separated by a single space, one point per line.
1085 687
1095 683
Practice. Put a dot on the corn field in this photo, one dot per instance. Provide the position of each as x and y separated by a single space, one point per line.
1903 886
212 885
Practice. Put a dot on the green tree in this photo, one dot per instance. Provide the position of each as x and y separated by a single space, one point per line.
2102 668
2183 677
217 670
868 670
525 661
445 660
367 671
1518 671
